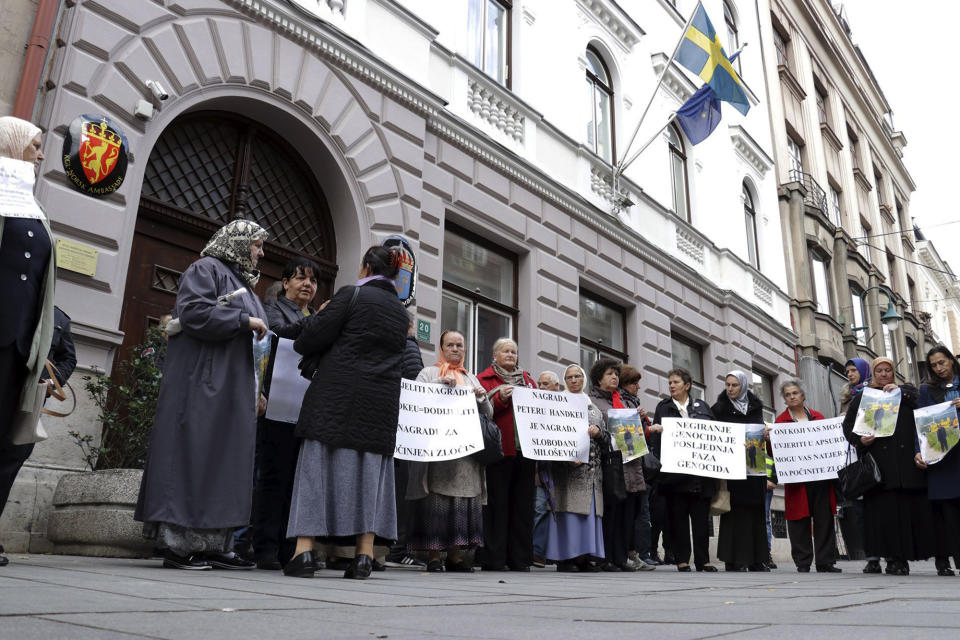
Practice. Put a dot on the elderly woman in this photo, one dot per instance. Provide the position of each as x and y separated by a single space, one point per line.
897 516
508 514
277 448
808 503
857 371
575 496
343 486
198 480
27 276
943 478
619 520
742 543
446 498
687 497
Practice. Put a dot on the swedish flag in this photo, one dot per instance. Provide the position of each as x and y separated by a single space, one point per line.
702 53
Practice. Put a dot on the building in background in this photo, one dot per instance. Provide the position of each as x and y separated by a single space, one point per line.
938 297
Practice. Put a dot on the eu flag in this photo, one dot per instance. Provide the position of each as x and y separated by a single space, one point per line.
699 115
702 53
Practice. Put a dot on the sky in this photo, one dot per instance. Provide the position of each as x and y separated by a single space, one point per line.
912 51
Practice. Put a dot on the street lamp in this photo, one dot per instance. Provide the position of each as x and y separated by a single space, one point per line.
891 319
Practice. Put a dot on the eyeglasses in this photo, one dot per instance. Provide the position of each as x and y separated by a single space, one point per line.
576 376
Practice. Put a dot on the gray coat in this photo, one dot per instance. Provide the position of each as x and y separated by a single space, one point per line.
460 478
633 470
199 469
574 486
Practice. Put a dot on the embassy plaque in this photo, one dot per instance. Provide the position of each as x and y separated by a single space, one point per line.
95 155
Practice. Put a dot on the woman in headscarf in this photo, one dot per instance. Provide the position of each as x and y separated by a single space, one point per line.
198 480
943 478
508 514
742 543
343 488
898 520
575 495
446 498
27 276
858 376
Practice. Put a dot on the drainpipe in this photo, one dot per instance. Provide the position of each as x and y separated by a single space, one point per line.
37 47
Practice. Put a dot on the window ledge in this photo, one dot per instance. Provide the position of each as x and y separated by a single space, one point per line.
887 213
831 136
790 80
861 179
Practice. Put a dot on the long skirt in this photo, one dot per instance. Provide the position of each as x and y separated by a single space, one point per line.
946 518
743 535
340 493
440 522
184 541
570 535
898 524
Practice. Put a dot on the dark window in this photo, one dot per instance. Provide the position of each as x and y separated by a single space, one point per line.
750 219
479 294
762 387
822 108
858 317
603 330
689 355
820 268
600 95
782 44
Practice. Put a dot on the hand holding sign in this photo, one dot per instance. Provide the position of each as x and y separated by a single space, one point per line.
551 425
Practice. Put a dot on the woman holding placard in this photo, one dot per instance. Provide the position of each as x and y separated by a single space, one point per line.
943 478
687 497
808 502
742 543
508 514
898 519
575 496
446 498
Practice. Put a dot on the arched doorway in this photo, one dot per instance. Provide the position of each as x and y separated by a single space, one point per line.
207 168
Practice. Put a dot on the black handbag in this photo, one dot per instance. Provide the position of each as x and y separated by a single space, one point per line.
651 467
492 442
856 478
614 484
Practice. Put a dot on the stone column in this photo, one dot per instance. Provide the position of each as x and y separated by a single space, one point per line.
803 304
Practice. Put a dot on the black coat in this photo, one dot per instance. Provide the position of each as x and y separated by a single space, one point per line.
894 454
412 359
63 353
943 478
285 318
753 490
682 482
353 399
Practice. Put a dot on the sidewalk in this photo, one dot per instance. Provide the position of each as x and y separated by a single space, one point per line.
47 597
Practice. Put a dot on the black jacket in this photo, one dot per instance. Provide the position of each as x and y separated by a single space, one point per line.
681 482
353 399
284 317
753 490
63 354
412 359
894 454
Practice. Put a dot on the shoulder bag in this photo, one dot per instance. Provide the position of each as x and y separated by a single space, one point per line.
859 476
492 442
27 428
614 484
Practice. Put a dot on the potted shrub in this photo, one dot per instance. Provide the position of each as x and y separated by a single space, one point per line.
93 511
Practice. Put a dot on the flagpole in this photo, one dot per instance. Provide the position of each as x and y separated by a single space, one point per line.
683 34
627 163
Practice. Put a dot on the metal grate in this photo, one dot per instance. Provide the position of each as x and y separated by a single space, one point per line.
166 280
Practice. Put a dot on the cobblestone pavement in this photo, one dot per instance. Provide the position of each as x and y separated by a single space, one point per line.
43 596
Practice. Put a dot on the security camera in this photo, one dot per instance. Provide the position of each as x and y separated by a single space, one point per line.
158 91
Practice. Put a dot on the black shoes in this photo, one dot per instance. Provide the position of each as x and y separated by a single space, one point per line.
4 560
945 571
568 566
709 568
684 568
229 560
301 566
360 568
758 567
269 565
459 567
897 568
803 568
434 566
339 564
770 563
193 562
872 566
828 568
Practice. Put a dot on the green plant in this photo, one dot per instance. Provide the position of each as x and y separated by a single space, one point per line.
127 403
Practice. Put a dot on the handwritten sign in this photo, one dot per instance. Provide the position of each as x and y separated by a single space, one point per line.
16 190
551 425
703 448
76 257
437 422
808 451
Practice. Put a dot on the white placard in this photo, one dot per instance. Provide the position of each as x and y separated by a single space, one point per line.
703 448
808 451
16 190
437 422
551 425
287 386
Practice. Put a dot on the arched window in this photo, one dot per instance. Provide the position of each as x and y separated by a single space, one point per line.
733 34
750 218
678 173
600 93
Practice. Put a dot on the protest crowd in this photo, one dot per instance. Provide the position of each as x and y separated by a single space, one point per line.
230 484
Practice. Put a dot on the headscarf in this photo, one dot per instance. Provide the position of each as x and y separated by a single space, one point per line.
231 243
582 372
447 368
880 360
864 369
741 402
15 135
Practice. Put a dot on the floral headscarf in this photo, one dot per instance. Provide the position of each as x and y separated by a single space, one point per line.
15 135
231 243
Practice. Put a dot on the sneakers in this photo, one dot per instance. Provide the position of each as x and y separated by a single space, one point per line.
229 560
404 561
192 562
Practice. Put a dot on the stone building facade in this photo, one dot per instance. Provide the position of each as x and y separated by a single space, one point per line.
490 149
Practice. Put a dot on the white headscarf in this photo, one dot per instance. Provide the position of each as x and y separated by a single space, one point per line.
582 372
15 136
740 402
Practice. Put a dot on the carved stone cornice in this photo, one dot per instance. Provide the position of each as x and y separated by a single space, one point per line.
790 81
751 152
675 79
830 135
625 32
861 179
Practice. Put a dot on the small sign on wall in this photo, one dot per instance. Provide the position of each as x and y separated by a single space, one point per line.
423 330
76 257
